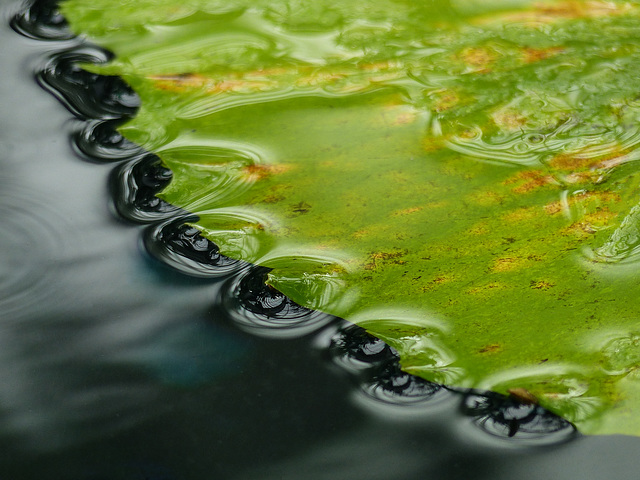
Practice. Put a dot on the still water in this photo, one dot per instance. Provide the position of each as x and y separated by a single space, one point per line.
117 367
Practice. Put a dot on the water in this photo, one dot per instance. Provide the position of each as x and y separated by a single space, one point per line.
117 367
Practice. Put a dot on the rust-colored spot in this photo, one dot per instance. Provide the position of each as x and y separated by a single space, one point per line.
446 100
507 119
259 171
553 12
481 59
601 216
523 396
572 162
553 208
580 9
491 348
379 66
580 230
479 229
532 55
589 159
438 280
273 198
406 211
361 233
528 180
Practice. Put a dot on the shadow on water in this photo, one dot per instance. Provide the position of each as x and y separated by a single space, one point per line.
139 352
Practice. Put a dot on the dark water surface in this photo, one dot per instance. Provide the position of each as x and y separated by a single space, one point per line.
114 367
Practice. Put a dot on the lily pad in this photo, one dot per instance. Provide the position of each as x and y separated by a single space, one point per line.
459 177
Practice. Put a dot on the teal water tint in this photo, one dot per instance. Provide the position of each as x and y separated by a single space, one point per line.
458 177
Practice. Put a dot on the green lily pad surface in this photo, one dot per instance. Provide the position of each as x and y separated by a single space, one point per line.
459 177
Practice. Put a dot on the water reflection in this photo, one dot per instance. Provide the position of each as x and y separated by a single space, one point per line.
114 369
246 299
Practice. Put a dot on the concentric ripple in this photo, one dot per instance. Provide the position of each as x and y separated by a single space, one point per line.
31 236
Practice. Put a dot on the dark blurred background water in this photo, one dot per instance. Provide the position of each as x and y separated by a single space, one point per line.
113 367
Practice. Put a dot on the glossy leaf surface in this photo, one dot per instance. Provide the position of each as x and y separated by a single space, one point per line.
458 177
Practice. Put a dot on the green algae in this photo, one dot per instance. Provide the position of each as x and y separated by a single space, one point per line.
458 177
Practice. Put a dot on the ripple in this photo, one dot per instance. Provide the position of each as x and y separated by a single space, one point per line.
391 385
42 20
355 349
623 245
87 95
182 247
134 186
206 175
562 388
311 276
260 309
100 141
507 418
32 236
621 354
533 147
